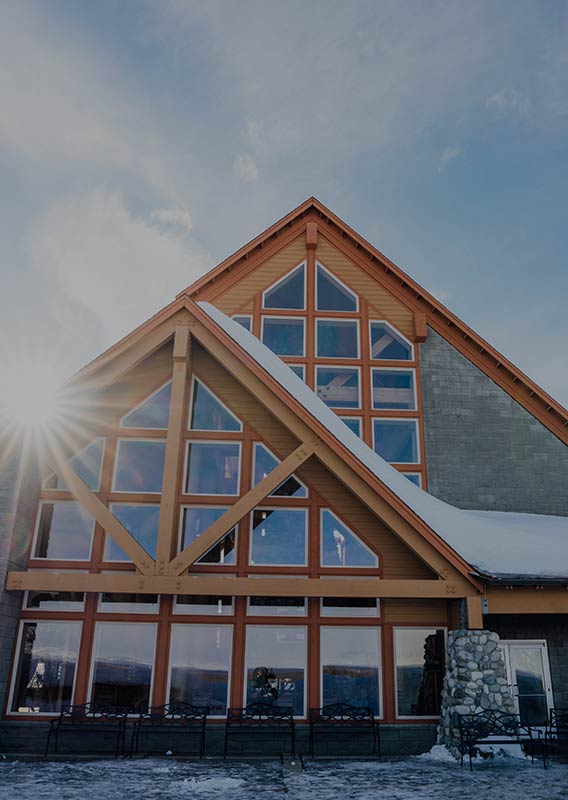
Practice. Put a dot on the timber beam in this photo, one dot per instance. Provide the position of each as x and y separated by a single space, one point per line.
527 600
232 586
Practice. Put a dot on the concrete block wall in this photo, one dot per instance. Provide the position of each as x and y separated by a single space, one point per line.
553 628
483 450
19 486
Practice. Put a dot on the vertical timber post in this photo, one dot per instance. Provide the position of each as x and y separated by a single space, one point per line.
167 527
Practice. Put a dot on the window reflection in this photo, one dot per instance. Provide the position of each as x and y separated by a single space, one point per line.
393 388
55 601
388 344
337 338
139 466
350 659
340 546
139 520
264 463
200 663
208 413
259 606
396 440
338 387
275 665
278 537
154 412
203 604
420 664
123 657
332 294
46 666
87 465
213 468
284 335
65 531
289 292
196 520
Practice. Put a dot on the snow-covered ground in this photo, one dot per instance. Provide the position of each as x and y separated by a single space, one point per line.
399 779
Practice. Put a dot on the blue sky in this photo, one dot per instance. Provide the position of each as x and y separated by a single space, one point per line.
143 142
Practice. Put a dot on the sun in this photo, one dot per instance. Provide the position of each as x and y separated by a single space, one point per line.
30 397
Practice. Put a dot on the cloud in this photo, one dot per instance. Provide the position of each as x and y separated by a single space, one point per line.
245 168
450 153
108 265
172 218
511 100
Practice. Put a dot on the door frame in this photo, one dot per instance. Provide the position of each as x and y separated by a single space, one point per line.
505 644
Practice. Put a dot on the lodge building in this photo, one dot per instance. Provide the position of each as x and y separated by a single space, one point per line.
307 468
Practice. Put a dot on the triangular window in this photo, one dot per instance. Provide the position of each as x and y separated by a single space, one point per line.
208 413
264 463
86 463
153 412
340 547
332 294
289 292
388 344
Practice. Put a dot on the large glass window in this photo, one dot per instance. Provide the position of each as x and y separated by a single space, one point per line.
349 607
337 338
123 658
284 335
154 412
123 603
396 440
86 463
393 388
141 521
47 661
338 386
64 531
203 604
332 294
340 547
55 601
388 344
419 658
279 537
289 292
277 606
275 665
213 468
207 412
194 521
200 666
350 665
264 463
139 466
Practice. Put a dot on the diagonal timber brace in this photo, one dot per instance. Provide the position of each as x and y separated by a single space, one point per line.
206 540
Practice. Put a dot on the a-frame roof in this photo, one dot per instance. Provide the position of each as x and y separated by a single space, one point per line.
472 346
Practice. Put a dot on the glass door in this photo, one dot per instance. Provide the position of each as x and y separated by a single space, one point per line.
528 673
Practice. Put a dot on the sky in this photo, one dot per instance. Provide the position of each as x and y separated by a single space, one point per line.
143 142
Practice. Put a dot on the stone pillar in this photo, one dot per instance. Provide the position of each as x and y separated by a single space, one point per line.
475 681
19 485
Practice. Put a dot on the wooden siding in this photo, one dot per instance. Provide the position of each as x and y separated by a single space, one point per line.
415 612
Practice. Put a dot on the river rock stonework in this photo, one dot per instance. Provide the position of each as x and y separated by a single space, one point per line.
475 680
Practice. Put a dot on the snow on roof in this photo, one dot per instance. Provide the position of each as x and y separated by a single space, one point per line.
494 542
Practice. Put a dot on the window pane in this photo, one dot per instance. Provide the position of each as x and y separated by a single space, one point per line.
338 386
244 320
123 658
208 413
337 338
283 335
200 665
396 440
420 658
350 667
349 607
386 343
275 665
341 547
264 463
46 666
299 369
278 537
393 388
277 606
122 603
213 468
202 604
87 465
196 520
288 292
141 522
413 477
353 423
56 601
139 466
65 531
333 295
154 412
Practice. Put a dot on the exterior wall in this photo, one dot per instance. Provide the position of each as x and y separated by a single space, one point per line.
16 523
553 628
483 450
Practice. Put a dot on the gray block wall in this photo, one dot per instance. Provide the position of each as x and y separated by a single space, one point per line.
19 485
483 450
553 628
